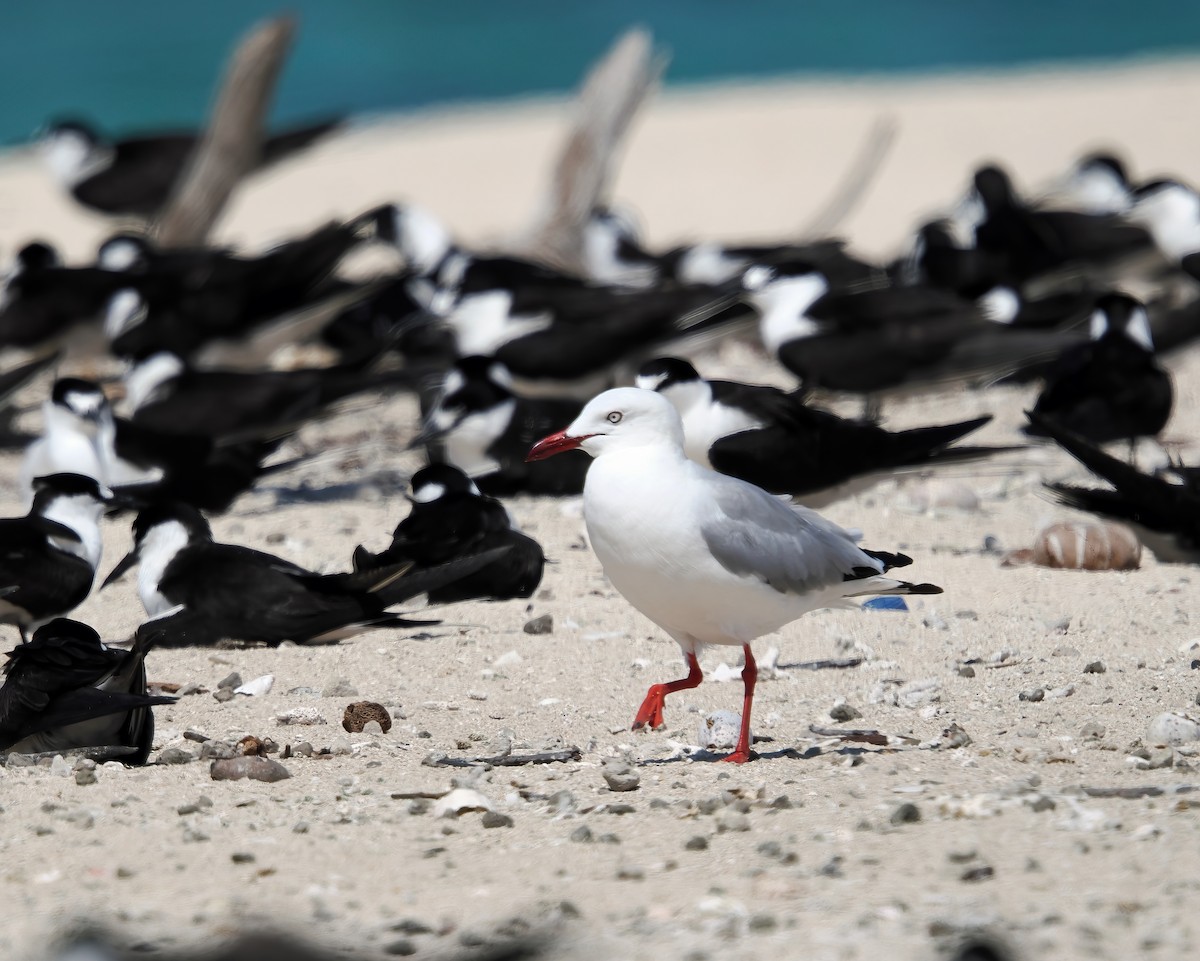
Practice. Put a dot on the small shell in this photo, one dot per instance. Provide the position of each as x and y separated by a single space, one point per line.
1172 729
720 729
257 686
1087 545
458 801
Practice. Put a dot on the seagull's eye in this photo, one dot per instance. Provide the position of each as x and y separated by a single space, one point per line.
615 417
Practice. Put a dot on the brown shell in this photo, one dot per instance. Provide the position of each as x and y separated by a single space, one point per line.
1087 545
360 713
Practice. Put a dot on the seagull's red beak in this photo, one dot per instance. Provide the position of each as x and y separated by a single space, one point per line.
554 444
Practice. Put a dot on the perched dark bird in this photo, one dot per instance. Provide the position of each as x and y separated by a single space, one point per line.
481 426
1164 514
1170 211
165 394
80 434
1098 183
774 440
226 591
555 333
136 176
65 689
613 254
449 519
888 339
48 558
45 303
1034 242
1112 387
191 302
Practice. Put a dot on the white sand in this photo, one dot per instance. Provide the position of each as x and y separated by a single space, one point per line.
1073 877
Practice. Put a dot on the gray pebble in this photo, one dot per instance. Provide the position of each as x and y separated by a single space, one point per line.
300 827
782 803
86 775
762 922
609 838
966 670
631 872
304 749
255 768
224 695
539 625
401 948
1092 731
906 813
844 712
1096 667
582 834
696 842
622 778
231 680
218 751
1034 694
494 819
242 857
1042 803
176 755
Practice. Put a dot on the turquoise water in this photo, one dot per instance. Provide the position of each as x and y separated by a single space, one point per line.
140 63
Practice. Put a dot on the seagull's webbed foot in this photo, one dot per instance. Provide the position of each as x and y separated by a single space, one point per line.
651 711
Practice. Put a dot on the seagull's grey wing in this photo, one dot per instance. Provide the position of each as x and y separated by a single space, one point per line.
791 548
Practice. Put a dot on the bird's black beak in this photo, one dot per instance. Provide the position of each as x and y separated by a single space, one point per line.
128 561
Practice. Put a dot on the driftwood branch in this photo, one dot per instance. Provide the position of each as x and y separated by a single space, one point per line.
608 101
232 143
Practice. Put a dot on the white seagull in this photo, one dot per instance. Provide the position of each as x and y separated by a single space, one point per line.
709 558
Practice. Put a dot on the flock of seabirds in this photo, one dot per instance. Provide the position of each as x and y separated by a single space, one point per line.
699 496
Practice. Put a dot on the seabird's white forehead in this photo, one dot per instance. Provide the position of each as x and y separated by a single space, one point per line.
84 402
453 382
757 277
427 493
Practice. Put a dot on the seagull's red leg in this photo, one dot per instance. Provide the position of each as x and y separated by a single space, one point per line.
742 753
651 711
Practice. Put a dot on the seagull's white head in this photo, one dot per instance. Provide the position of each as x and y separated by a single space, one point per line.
618 419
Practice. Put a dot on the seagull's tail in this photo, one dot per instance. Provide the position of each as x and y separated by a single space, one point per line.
870 580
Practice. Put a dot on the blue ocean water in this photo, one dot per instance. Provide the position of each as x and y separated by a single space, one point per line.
132 64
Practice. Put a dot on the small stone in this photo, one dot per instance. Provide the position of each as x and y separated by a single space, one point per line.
1095 667
982 873
844 712
494 819
1064 650
762 922
340 688
906 813
697 842
582 835
230 681
1092 731
539 625
224 695
242 857
360 713
631 872
85 775
1172 729
623 778
175 755
300 827
217 751
300 715
1034 694
402 948
255 768
1042 803
966 670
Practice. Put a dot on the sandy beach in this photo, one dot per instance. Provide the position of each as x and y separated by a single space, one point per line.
823 848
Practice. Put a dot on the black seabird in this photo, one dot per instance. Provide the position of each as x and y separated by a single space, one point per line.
772 438
481 426
1170 211
885 339
11 381
80 434
45 302
613 254
556 333
1164 514
49 557
1097 183
183 301
64 689
226 591
165 394
135 176
1112 387
449 519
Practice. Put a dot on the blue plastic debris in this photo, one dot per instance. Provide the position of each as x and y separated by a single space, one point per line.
892 603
